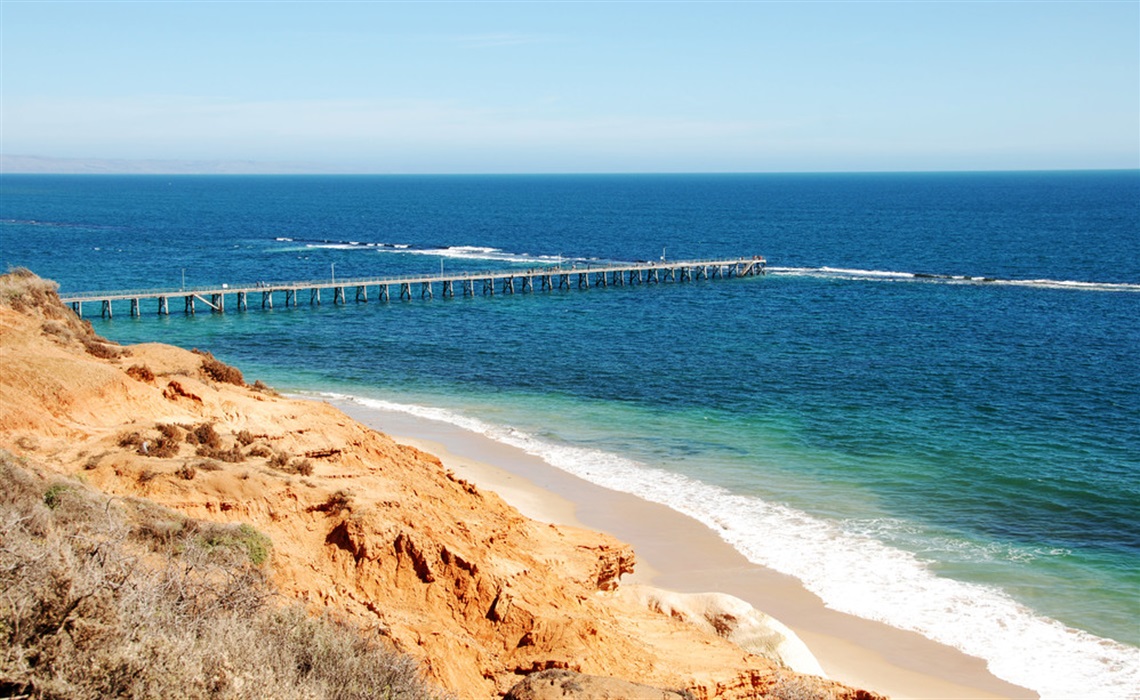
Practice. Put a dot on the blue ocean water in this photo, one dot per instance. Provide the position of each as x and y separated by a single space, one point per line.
928 411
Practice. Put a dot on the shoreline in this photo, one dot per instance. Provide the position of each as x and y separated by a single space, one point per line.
692 558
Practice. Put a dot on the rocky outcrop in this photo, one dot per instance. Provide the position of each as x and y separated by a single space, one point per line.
362 527
568 685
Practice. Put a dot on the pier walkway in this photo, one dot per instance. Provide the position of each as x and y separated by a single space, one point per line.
424 286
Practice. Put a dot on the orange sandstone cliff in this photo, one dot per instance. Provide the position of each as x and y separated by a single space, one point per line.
367 529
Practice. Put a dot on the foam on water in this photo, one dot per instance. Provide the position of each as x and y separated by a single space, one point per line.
460 252
465 252
893 275
850 570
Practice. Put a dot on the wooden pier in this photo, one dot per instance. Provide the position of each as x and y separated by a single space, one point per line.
406 287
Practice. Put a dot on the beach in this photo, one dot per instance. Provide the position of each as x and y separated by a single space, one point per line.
678 553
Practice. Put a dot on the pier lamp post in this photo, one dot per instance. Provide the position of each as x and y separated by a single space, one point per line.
333 266
183 279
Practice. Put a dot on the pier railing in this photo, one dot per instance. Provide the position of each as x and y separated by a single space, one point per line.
471 283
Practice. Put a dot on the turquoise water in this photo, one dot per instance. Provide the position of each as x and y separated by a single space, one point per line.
927 411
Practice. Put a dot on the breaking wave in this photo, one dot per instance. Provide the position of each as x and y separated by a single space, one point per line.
851 570
462 252
896 276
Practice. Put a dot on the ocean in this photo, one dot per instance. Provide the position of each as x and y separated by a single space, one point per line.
928 411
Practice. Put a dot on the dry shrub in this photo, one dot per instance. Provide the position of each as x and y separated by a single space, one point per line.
218 370
163 449
245 437
132 439
127 599
279 460
169 431
168 443
205 435
264 388
260 451
146 476
337 501
285 462
186 471
140 372
103 349
164 446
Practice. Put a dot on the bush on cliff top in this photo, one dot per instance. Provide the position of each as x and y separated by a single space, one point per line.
22 289
82 617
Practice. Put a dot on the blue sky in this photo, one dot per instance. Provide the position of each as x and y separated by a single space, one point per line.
440 87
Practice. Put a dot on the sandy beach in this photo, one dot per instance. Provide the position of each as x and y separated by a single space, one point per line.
678 553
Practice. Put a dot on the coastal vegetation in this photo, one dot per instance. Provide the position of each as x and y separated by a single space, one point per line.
114 597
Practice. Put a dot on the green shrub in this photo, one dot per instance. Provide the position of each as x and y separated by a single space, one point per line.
53 496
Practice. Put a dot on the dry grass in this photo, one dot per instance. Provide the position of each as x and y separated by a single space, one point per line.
23 291
206 465
127 599
59 331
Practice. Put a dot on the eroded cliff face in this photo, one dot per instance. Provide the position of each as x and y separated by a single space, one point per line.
371 530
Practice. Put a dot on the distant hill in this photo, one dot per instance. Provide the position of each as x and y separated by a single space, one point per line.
111 166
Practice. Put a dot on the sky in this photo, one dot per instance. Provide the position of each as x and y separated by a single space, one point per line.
551 87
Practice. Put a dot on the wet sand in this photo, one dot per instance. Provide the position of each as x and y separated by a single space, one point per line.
679 553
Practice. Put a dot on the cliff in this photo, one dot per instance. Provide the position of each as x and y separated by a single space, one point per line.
374 532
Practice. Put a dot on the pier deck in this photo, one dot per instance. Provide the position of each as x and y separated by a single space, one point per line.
424 286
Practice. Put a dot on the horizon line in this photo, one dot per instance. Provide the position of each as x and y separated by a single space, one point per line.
38 165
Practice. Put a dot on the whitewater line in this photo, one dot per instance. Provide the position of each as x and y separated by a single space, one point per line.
900 276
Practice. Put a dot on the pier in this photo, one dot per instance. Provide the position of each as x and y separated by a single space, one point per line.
406 287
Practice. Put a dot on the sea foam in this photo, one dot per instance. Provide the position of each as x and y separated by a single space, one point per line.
460 252
850 571
900 276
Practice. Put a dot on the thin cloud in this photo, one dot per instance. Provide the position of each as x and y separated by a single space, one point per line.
484 41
